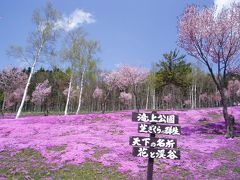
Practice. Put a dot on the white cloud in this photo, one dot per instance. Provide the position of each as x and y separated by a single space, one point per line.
75 19
220 4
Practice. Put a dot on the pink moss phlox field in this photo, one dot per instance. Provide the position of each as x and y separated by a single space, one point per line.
104 138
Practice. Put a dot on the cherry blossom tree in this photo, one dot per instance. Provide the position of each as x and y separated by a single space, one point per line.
133 77
12 82
203 98
14 97
187 102
125 98
40 94
213 39
97 93
72 95
110 82
232 88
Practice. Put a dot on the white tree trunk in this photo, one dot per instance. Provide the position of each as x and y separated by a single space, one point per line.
192 98
26 89
29 80
68 95
3 104
195 97
153 99
80 94
147 98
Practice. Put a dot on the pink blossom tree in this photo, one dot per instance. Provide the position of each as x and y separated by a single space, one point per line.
14 97
125 98
213 39
73 91
40 93
71 95
132 77
187 102
203 98
12 82
97 93
110 82
232 88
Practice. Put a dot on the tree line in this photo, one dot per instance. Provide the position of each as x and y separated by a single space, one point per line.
170 84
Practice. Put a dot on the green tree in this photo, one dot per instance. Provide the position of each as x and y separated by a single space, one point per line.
173 72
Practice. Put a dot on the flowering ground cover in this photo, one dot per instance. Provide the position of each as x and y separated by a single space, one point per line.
96 146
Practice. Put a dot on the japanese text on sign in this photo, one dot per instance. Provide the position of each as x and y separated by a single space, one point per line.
153 142
155 118
159 129
156 153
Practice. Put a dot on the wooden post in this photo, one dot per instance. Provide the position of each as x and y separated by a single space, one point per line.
150 160
150 163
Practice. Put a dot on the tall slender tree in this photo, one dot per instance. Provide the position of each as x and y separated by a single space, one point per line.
39 42
80 52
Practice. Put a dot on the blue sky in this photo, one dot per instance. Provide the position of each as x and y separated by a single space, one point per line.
135 32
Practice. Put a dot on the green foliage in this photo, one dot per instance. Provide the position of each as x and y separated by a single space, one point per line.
237 170
79 53
69 72
173 70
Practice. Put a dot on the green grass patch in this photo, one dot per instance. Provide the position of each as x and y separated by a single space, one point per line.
160 166
226 154
29 164
236 170
181 171
99 152
56 148
214 115
210 137
88 171
218 172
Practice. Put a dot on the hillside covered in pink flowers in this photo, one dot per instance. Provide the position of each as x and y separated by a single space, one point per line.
103 139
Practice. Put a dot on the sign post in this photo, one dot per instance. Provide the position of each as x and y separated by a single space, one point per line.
150 162
152 147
